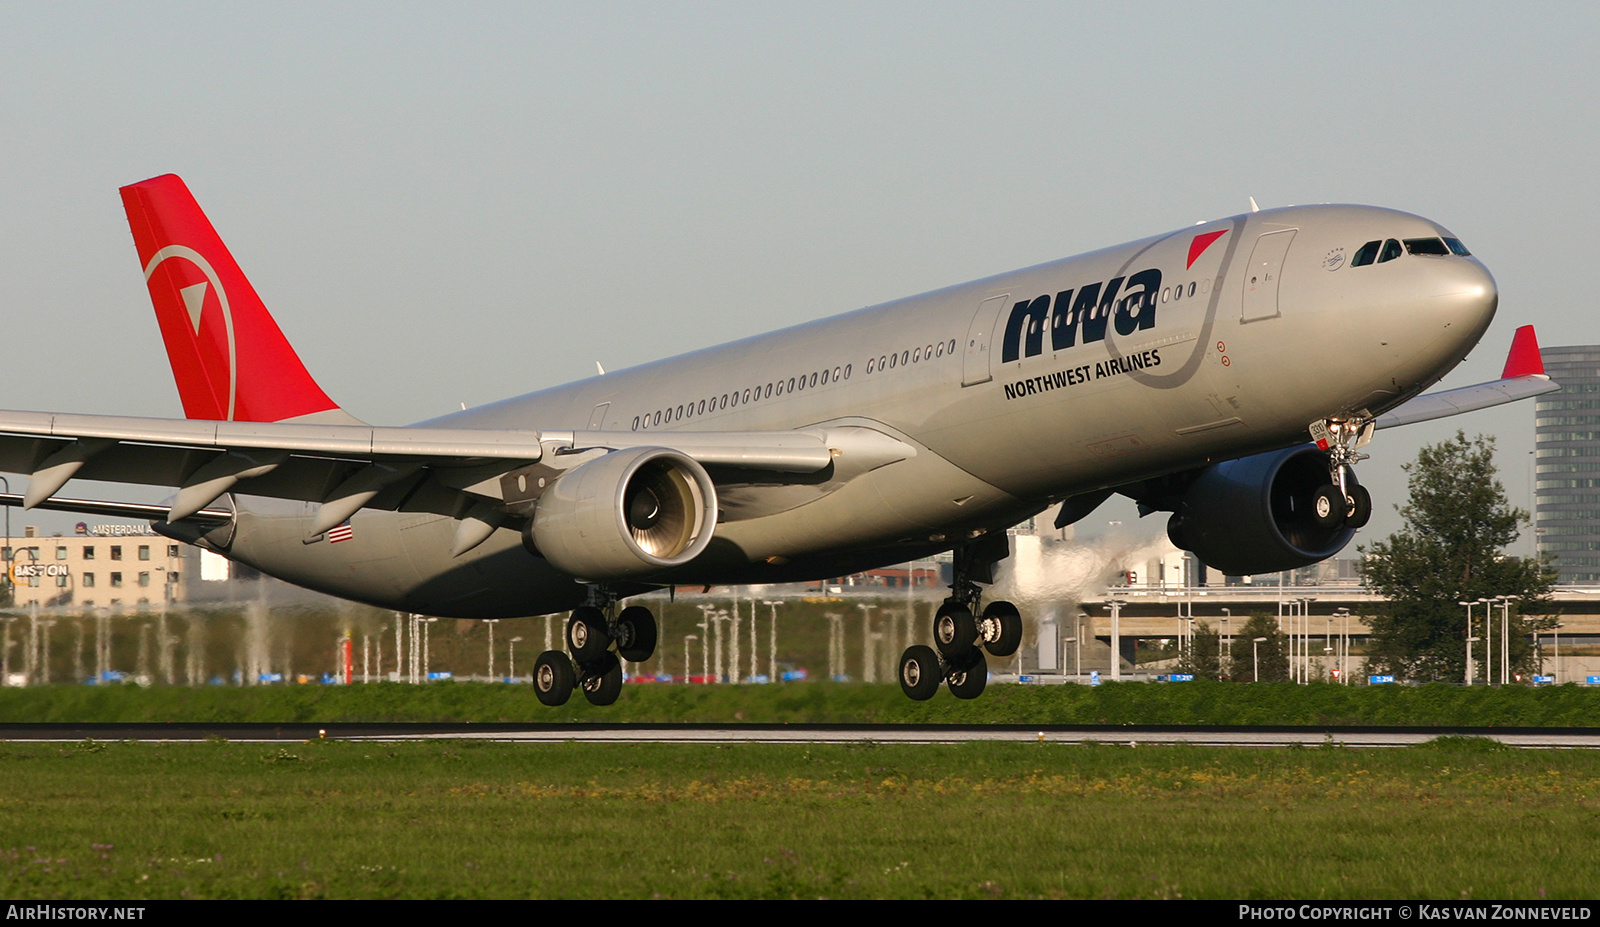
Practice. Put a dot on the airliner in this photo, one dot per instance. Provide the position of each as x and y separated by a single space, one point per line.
1227 373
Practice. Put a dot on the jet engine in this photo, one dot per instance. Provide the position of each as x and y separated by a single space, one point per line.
628 514
1261 514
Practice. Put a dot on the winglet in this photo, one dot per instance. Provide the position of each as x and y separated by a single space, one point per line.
230 359
1524 359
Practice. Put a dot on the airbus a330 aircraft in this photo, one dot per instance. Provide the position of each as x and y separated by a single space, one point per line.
1186 371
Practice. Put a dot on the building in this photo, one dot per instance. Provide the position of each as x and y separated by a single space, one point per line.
109 565
1567 464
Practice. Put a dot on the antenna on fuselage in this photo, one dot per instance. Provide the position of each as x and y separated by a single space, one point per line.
1253 206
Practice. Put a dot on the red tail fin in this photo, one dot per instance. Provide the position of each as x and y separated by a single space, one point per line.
1524 358
229 357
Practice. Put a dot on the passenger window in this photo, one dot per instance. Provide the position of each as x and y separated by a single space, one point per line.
1391 250
1426 246
1367 254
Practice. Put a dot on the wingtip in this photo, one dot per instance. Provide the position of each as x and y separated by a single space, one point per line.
1524 359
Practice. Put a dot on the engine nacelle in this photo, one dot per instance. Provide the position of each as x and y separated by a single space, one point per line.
626 515
1255 514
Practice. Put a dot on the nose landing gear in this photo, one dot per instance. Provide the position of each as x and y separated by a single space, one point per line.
1342 502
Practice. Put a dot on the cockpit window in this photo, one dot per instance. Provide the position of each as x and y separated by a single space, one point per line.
1456 247
1426 246
1367 254
1391 250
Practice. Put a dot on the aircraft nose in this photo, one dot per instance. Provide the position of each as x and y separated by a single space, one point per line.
1465 295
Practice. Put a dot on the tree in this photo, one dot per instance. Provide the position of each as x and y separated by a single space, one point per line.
1452 550
1204 656
1272 654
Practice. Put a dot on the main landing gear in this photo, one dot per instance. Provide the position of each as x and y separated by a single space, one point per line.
1342 502
960 637
598 639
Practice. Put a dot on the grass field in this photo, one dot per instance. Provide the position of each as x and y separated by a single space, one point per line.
1458 818
1319 704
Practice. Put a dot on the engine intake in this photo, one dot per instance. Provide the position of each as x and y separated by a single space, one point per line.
626 515
1257 514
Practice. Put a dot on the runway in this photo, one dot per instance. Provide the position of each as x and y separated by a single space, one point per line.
1126 735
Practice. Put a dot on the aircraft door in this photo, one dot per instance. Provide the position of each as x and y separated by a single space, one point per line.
1261 276
980 336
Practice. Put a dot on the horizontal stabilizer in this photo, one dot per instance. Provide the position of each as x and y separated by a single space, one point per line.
1523 378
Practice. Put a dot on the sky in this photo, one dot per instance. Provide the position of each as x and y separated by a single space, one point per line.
448 204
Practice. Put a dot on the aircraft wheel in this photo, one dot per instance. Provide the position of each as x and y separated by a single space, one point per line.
602 682
587 636
1360 507
1327 508
1002 629
970 682
636 634
553 678
954 631
919 673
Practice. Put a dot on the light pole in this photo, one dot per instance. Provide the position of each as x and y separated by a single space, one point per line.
427 660
491 622
687 673
1305 632
721 618
1115 607
1077 647
1227 639
869 668
1505 639
772 640
1344 645
1557 671
835 645
1255 651
1469 603
512 672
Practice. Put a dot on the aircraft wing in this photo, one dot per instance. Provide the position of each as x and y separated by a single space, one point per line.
1522 378
346 467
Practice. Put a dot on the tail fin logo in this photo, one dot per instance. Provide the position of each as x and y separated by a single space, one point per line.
194 298
229 359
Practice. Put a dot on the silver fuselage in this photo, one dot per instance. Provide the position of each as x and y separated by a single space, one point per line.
1214 346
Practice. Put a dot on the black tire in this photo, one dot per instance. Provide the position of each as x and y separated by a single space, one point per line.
954 631
1003 629
919 673
1359 509
602 681
587 635
553 678
970 682
1327 507
636 634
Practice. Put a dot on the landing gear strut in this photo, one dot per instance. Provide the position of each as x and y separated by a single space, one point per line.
599 639
1342 502
960 637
